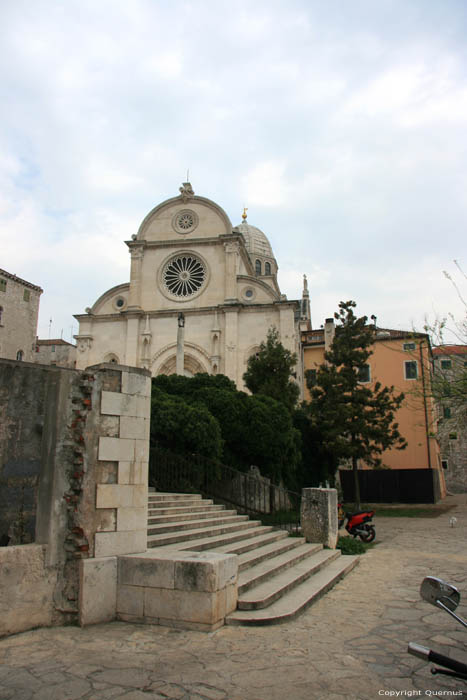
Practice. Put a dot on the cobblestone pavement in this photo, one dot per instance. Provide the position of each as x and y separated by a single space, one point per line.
351 645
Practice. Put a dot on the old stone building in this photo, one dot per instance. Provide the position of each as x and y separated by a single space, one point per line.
450 367
202 296
19 310
55 351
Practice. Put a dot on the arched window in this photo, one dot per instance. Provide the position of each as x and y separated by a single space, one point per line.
19 355
258 267
267 269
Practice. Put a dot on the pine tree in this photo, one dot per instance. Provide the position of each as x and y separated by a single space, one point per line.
356 421
270 371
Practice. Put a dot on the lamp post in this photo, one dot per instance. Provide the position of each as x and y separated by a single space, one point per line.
180 362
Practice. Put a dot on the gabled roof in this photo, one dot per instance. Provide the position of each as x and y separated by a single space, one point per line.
450 350
8 275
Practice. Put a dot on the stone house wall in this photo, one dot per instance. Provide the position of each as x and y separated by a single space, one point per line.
19 310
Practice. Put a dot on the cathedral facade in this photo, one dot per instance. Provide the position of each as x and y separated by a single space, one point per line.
202 296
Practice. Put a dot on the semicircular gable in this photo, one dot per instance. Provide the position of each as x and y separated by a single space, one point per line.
104 303
160 223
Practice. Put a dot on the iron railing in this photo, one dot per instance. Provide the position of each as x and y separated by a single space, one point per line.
248 492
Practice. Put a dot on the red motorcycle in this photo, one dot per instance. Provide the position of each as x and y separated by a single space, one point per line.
359 524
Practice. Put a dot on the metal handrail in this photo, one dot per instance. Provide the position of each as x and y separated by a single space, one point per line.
248 493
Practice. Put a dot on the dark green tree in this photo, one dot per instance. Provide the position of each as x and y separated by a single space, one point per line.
271 371
356 419
253 429
182 427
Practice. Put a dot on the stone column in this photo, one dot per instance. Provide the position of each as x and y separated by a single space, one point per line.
318 516
110 508
132 336
231 257
231 342
134 297
180 360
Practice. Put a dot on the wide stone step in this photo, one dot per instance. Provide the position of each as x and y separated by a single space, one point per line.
160 497
265 593
206 533
173 510
298 598
180 525
253 543
222 543
182 517
261 556
274 565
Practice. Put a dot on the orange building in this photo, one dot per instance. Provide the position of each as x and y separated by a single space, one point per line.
403 360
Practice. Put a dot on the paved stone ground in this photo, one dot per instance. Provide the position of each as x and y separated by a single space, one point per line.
351 645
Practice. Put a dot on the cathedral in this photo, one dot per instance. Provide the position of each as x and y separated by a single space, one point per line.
202 296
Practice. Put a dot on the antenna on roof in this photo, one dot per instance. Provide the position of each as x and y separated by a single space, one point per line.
50 327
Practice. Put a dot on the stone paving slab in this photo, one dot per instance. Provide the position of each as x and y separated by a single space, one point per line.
351 645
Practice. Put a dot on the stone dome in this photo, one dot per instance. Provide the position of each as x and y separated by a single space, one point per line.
256 241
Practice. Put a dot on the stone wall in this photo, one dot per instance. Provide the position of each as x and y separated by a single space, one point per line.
19 305
77 444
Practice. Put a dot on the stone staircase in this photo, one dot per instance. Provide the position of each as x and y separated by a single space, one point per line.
278 575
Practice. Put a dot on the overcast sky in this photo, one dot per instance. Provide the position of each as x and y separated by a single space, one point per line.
340 124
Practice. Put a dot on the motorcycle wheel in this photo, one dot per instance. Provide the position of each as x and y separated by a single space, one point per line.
369 535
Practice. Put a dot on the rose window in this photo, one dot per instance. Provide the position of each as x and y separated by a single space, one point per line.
184 275
185 221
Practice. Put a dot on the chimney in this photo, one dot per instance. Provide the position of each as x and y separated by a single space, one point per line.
329 332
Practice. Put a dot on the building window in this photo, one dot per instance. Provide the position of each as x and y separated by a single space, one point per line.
444 463
53 348
19 355
453 436
364 375
267 269
26 295
1 314
446 412
310 375
2 285
411 370
446 364
258 267
409 346
184 275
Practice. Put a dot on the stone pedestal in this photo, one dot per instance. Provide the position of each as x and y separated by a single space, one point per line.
318 516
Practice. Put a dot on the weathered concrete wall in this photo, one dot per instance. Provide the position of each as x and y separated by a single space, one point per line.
27 586
191 590
79 442
29 410
318 516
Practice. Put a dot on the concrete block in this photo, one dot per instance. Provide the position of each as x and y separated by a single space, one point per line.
130 600
147 570
109 544
136 384
318 516
205 571
186 606
115 404
116 449
132 427
143 406
109 426
124 472
133 473
114 496
142 450
140 495
105 520
132 518
97 590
